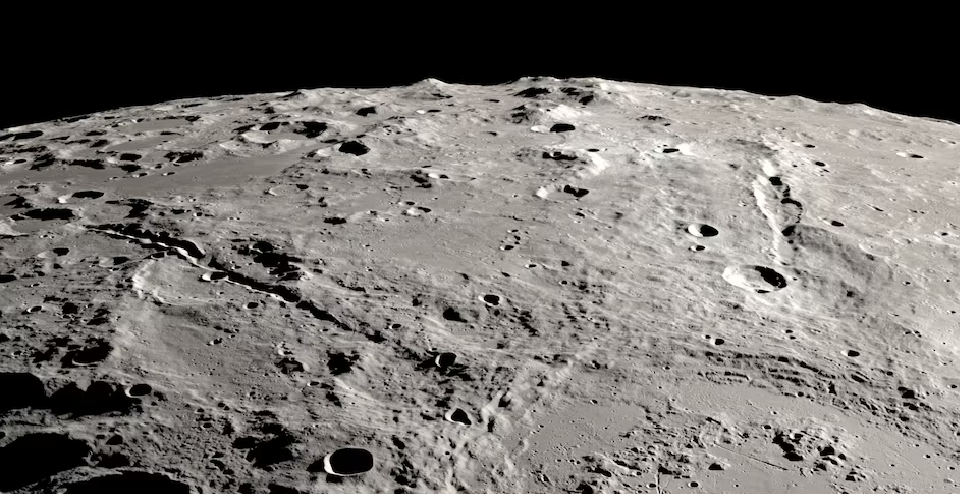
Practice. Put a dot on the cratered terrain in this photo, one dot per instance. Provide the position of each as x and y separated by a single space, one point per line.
544 286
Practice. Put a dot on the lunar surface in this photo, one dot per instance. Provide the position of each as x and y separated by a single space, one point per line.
545 286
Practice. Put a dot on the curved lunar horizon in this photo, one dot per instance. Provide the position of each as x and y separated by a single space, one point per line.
549 285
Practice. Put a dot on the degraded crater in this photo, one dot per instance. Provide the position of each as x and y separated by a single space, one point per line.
33 134
99 398
558 155
21 390
308 129
129 481
267 452
95 353
348 461
34 457
760 279
532 92
46 214
183 156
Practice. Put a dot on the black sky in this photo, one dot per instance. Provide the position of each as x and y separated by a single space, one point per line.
95 68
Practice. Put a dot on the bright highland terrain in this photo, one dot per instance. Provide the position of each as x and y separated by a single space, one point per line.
545 286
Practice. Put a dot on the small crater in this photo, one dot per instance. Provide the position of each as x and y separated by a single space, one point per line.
451 314
460 416
669 150
88 194
61 251
355 148
445 360
369 110
341 363
213 276
288 365
760 279
702 230
577 192
348 461
141 389
562 127
491 299
852 353
835 223
697 248
130 157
